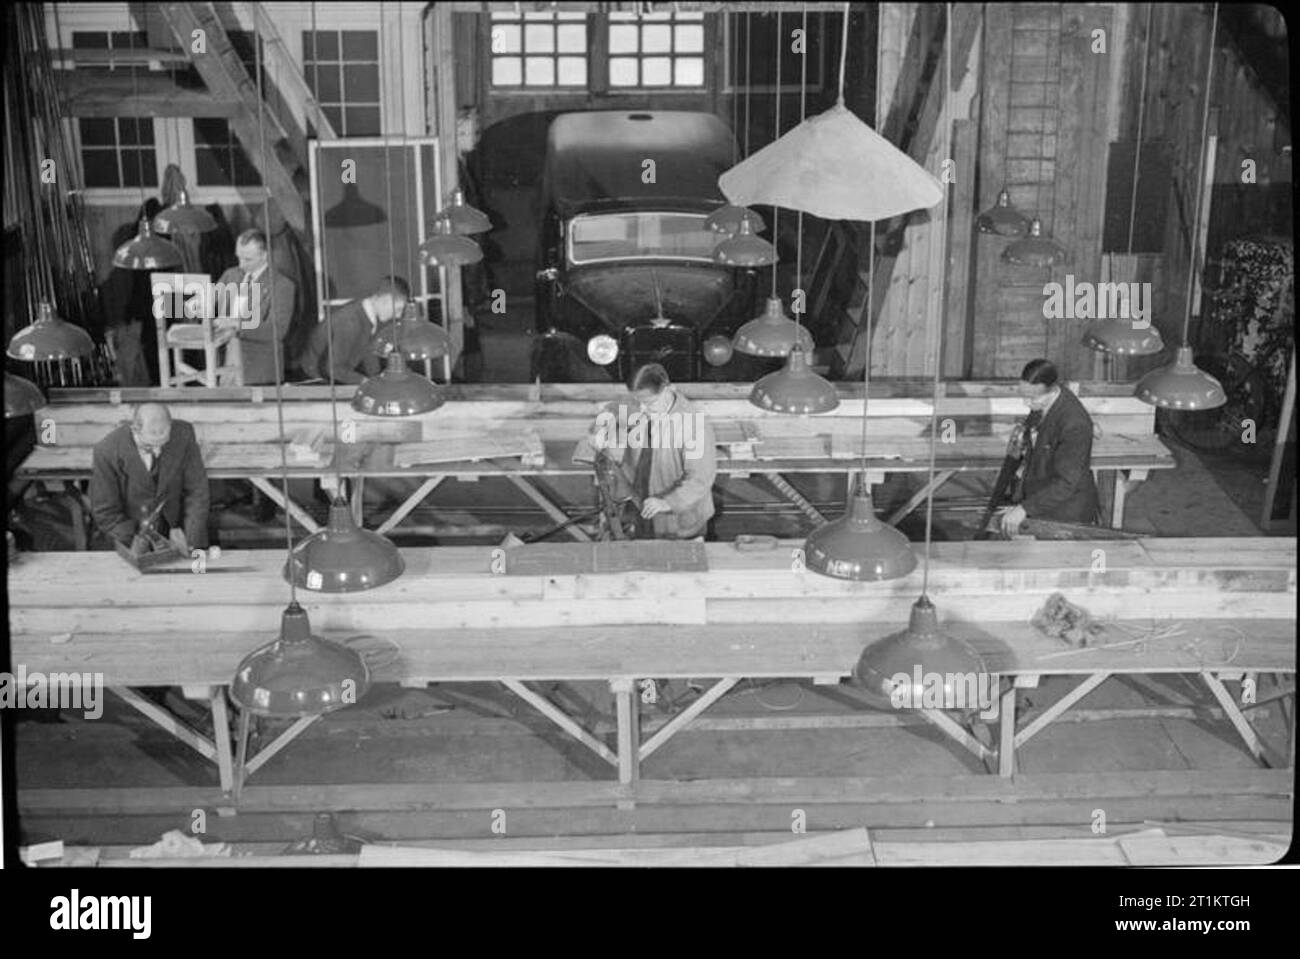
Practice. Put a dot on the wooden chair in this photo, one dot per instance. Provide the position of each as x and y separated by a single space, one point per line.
217 338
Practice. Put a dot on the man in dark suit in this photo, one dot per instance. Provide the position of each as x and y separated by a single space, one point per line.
148 461
261 337
353 327
1058 482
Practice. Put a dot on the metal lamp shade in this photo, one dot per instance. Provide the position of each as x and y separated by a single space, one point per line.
743 248
181 217
794 389
893 672
397 392
772 333
858 546
343 558
463 218
1181 385
727 219
1003 219
147 251
50 338
836 167
1119 337
444 248
420 340
717 350
1035 249
299 674
22 397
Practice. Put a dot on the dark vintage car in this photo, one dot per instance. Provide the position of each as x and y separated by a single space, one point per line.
626 273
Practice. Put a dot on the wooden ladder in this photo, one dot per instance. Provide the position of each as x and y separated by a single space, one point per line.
227 79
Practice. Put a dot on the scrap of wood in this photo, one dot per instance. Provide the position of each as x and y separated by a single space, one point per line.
470 447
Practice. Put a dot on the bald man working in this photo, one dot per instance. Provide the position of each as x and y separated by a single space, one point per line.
152 459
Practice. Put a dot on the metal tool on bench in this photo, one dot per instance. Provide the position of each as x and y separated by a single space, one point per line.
613 494
148 547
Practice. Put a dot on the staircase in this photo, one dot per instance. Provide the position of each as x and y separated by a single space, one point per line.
283 165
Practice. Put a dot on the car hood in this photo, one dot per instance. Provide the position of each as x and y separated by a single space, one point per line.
623 294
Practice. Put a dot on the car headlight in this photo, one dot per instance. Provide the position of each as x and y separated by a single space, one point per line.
602 349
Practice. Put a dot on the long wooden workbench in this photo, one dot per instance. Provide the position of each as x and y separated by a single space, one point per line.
453 617
238 429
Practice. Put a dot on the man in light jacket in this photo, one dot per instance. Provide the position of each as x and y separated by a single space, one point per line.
667 452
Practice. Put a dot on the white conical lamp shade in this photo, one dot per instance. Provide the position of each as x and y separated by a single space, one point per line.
834 166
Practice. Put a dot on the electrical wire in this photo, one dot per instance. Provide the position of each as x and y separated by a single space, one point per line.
388 184
325 263
871 251
776 135
1200 172
937 333
275 338
803 106
844 51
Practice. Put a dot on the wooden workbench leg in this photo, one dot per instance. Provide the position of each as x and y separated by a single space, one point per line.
411 502
1258 748
1007 746
1117 505
221 739
241 758
628 730
283 501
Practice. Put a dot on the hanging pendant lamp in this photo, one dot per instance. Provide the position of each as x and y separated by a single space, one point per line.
181 217
795 388
744 249
465 220
903 670
397 391
858 546
1182 385
299 674
924 650
1034 249
836 167
1003 219
445 248
343 557
22 396
147 251
772 333
1121 338
50 338
727 219
421 339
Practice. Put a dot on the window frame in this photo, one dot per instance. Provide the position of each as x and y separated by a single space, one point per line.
591 23
308 67
640 88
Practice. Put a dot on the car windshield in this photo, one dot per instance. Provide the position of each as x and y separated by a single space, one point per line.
632 236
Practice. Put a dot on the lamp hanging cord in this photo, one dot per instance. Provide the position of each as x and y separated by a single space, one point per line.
803 105
1200 173
1137 143
388 189
943 287
844 49
275 339
776 135
325 260
748 40
871 252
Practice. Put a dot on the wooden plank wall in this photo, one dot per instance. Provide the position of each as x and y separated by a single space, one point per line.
1043 135
1243 117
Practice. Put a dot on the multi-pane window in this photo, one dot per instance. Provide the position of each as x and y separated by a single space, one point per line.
342 69
219 158
547 49
656 49
758 33
116 152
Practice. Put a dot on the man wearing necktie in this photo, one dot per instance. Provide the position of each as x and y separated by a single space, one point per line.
260 331
152 459
1057 471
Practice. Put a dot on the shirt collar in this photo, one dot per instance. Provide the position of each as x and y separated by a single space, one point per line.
1056 395
370 314
256 274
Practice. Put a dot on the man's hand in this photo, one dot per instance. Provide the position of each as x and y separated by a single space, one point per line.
1011 520
653 506
177 537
